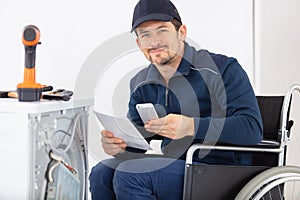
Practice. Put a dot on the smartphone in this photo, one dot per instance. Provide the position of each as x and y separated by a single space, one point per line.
146 112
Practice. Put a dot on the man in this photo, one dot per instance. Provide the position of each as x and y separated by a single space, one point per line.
199 96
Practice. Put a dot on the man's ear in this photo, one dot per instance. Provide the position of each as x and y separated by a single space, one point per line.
182 32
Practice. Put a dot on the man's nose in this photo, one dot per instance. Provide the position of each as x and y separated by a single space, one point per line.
155 40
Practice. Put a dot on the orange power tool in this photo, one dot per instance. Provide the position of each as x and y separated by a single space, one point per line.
29 90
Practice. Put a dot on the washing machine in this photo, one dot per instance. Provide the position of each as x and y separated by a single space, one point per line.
43 149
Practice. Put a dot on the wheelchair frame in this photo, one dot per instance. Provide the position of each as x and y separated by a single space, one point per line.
277 175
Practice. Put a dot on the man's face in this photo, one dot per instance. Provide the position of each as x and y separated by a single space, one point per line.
159 41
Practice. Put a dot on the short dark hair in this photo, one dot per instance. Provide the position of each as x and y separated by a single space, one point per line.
177 24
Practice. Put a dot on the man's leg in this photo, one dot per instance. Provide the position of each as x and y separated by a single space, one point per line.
101 177
149 179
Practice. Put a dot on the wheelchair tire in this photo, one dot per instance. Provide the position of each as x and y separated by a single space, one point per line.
267 180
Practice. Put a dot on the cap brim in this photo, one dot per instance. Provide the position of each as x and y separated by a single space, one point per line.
159 17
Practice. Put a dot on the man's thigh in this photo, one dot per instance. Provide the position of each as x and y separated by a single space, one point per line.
160 177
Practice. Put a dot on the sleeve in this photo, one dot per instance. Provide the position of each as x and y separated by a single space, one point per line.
240 122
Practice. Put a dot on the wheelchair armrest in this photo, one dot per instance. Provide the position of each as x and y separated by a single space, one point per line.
268 143
264 146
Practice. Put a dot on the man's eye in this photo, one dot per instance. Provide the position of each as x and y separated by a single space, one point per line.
163 30
145 35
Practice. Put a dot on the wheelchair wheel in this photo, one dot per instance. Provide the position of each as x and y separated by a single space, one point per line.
276 183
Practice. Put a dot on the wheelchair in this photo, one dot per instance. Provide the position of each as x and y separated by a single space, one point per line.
268 178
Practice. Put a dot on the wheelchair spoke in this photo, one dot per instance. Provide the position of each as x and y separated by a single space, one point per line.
293 190
276 183
280 193
296 190
270 195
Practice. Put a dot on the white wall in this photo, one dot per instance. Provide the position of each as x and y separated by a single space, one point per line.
86 45
71 30
76 34
277 26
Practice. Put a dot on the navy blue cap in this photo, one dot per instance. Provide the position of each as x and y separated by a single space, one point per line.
161 10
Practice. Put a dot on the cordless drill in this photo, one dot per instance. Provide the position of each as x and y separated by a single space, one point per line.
29 90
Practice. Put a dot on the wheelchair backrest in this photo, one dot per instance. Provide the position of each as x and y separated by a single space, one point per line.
270 109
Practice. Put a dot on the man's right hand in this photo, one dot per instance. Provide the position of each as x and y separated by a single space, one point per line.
111 144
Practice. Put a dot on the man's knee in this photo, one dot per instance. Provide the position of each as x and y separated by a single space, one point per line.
129 184
103 172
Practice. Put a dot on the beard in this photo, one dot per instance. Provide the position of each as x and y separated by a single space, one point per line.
163 61
160 59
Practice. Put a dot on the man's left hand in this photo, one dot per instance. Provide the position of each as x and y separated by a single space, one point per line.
172 126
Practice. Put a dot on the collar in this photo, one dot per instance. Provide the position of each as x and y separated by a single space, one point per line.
183 69
186 61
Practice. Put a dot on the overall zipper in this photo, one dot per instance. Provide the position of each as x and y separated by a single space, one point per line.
166 96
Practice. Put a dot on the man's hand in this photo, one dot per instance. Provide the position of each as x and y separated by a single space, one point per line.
172 126
112 145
